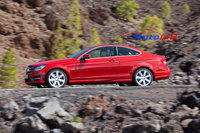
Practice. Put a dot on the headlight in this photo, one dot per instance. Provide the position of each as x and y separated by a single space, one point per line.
40 67
29 69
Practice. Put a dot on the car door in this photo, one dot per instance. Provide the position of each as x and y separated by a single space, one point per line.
102 66
128 58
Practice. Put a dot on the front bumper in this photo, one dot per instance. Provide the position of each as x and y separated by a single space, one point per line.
35 78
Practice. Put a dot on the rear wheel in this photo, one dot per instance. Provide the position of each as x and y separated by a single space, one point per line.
56 78
143 77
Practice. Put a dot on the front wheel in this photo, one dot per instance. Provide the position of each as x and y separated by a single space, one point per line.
143 77
56 78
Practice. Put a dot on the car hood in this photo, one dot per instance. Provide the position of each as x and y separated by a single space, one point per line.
53 61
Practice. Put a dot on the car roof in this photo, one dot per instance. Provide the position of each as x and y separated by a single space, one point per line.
102 45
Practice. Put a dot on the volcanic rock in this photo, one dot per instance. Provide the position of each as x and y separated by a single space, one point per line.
143 127
31 124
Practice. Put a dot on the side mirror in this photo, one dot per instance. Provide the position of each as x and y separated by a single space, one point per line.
86 56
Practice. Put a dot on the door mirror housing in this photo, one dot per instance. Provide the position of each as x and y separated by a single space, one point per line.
86 56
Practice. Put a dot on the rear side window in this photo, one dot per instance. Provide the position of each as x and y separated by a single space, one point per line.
126 51
103 52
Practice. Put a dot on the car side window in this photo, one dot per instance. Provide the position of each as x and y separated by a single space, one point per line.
103 52
126 51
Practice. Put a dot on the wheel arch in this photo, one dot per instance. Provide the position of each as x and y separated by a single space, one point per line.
59 69
146 68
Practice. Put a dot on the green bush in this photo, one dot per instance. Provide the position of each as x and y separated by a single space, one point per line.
154 23
127 9
8 72
67 43
58 48
186 8
76 119
95 39
74 19
119 40
74 29
166 10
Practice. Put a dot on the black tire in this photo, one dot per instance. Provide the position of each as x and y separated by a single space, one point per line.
50 83
148 80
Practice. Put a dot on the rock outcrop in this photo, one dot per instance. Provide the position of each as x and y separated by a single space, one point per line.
101 114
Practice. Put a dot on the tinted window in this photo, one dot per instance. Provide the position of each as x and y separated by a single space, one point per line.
79 53
103 52
126 51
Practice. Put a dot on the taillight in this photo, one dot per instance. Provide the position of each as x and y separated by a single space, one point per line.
164 60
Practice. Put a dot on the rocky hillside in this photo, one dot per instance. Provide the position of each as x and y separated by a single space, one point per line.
28 27
97 114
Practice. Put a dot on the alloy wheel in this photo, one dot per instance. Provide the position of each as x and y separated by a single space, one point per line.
57 79
143 77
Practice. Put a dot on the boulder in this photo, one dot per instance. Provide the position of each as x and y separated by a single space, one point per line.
32 124
183 112
9 109
5 128
73 127
127 108
37 101
56 130
53 114
11 105
190 98
198 79
185 123
140 105
143 127
34 104
8 115
159 109
193 126
94 105
53 107
67 106
171 127
151 116
123 109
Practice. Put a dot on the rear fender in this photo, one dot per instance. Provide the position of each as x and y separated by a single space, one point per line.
142 65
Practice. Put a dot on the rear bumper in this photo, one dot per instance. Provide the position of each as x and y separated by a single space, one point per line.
35 78
164 74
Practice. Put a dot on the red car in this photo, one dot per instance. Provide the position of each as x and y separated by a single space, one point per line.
100 64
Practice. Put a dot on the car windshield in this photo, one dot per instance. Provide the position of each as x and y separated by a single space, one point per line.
81 52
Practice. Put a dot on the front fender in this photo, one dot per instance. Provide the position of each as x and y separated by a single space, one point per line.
63 67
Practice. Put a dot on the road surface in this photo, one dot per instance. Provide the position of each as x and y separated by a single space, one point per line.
79 93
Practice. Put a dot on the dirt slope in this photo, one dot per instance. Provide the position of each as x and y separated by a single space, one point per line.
28 26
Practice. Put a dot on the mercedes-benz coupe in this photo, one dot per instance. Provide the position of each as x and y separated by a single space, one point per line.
100 64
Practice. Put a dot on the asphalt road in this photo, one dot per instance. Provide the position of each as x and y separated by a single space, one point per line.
79 93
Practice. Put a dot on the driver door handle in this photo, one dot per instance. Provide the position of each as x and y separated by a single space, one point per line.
113 60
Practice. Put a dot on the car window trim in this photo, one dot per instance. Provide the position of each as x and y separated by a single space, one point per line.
127 55
98 57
